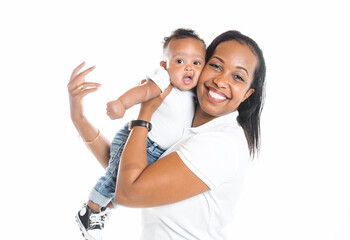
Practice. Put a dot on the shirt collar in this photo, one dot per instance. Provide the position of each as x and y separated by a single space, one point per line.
228 119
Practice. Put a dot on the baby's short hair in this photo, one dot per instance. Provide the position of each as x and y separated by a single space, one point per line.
181 33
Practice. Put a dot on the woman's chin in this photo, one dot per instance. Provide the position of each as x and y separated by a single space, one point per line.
209 109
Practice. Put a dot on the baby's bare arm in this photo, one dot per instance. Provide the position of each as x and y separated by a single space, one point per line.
116 109
140 94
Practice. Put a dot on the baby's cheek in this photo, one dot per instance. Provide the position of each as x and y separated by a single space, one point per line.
195 80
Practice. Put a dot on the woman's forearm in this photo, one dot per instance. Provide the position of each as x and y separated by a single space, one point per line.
134 158
95 141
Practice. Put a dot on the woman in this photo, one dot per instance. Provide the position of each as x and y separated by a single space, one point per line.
191 191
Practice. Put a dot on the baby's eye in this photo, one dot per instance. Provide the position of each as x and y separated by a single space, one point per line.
179 61
197 63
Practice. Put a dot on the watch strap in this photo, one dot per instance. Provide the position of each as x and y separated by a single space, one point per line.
140 123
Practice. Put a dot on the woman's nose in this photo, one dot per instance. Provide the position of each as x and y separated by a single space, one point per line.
220 82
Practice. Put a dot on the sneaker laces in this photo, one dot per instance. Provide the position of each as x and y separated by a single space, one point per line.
99 218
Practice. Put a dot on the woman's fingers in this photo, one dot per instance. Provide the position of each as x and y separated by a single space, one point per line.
157 101
78 79
88 85
85 88
85 72
77 86
166 92
76 70
89 90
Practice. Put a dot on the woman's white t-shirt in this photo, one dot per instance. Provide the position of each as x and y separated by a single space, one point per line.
216 152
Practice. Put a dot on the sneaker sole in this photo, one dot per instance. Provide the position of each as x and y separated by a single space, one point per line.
82 229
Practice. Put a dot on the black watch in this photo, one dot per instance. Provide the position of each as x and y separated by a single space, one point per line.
141 123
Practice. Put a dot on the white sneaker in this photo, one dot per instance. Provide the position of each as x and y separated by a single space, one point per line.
91 223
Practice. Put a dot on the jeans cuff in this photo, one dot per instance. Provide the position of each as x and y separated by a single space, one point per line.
99 199
114 204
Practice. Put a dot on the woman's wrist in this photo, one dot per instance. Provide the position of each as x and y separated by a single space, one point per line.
140 123
78 119
144 116
76 112
80 122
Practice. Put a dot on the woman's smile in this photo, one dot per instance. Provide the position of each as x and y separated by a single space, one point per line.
215 96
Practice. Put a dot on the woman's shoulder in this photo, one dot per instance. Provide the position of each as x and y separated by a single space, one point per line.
224 143
227 135
215 156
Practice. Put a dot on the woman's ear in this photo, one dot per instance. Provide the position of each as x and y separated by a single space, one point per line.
163 64
248 93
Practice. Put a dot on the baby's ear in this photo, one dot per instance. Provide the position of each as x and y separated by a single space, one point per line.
163 64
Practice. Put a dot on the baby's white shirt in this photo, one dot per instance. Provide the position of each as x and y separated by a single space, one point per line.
173 115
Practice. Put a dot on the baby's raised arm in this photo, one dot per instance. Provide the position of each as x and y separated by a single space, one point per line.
116 109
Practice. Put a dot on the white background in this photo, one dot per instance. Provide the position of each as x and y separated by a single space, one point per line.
299 188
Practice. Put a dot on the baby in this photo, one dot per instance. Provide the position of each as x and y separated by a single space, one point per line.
184 59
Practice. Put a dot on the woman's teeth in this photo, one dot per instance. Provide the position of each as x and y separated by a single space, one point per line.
216 95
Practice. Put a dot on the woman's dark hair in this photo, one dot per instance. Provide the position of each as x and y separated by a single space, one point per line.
181 33
250 109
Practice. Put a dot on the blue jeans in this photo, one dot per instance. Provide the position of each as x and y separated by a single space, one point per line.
104 190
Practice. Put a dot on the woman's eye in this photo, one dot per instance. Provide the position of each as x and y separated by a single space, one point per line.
215 66
239 78
179 61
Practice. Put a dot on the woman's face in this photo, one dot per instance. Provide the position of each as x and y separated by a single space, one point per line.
226 78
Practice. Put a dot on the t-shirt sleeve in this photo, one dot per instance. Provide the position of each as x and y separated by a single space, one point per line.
161 77
214 160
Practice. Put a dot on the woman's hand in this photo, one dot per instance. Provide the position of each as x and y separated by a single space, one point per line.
149 107
78 89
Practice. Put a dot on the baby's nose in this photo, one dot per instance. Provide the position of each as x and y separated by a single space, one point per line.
188 68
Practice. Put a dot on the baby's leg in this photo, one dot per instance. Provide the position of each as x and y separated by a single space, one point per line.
104 190
93 215
97 208
153 151
110 205
94 206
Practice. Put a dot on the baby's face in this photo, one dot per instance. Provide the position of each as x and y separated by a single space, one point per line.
185 59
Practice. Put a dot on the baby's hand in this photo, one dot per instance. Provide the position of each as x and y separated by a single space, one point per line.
115 109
